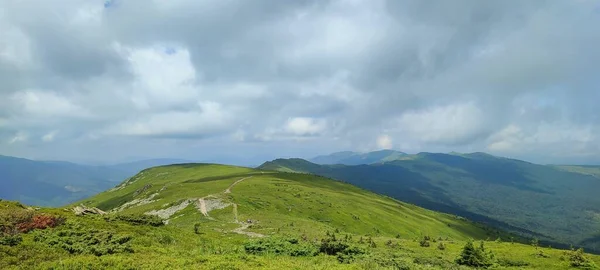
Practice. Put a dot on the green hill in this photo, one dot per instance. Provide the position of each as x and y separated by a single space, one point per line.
558 205
354 158
225 217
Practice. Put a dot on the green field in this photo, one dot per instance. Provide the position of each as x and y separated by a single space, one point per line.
225 217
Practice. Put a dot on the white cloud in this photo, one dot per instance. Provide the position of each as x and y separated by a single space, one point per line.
304 126
49 137
208 119
549 139
451 124
384 142
19 137
45 104
164 76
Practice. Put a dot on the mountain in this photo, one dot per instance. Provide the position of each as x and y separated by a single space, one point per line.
354 158
53 183
209 216
132 168
558 205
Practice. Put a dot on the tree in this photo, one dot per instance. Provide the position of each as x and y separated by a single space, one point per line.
475 256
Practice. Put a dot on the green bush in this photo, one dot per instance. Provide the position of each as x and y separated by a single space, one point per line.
137 219
424 242
475 256
10 240
511 263
578 259
344 250
433 261
85 241
281 246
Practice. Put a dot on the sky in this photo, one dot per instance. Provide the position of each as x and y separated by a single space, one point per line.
241 82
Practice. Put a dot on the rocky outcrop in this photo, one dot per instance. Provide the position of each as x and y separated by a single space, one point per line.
82 210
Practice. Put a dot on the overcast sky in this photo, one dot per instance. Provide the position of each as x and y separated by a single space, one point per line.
240 81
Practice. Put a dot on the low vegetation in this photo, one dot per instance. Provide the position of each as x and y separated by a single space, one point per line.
267 221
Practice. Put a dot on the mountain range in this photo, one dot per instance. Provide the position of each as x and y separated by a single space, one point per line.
355 158
557 204
54 183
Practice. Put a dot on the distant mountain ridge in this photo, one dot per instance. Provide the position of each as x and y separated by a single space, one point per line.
355 158
55 183
558 204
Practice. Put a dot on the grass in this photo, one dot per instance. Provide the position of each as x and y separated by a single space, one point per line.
297 215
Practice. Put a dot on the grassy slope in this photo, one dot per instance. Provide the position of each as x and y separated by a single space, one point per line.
538 201
279 204
582 169
277 199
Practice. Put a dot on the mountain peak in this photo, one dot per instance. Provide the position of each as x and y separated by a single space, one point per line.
354 158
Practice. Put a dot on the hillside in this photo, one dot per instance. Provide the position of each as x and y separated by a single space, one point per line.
273 198
553 204
55 183
354 158
225 217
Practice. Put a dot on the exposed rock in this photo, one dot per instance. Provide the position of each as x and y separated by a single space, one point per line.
141 190
205 205
136 202
82 210
168 212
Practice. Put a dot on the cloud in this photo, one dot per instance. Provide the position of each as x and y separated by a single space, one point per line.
19 137
384 142
37 103
451 124
209 118
304 126
49 137
195 78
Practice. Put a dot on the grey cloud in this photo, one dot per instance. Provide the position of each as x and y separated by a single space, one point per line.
353 70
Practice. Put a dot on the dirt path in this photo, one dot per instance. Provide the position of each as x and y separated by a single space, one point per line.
243 227
203 207
228 190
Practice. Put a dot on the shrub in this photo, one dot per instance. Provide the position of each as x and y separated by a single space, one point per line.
578 259
345 252
512 263
166 239
372 243
433 261
475 256
535 242
41 221
76 240
197 228
424 242
10 240
441 246
137 219
281 246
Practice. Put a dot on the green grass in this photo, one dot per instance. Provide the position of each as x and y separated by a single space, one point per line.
281 206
